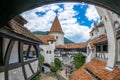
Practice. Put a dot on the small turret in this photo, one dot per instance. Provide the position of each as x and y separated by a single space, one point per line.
57 32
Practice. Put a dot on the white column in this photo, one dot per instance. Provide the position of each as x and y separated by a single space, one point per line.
112 47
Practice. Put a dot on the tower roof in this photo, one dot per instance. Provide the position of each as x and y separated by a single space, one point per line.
56 27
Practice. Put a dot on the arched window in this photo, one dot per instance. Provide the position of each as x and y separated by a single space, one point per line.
117 25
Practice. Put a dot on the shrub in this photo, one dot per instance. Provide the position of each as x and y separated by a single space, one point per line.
36 78
57 62
54 69
41 61
79 60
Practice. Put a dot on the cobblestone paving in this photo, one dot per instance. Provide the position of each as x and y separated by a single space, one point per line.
62 73
46 77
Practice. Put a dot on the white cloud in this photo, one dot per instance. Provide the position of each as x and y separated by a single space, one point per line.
91 13
66 17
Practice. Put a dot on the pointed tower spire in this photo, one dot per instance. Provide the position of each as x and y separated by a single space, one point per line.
56 27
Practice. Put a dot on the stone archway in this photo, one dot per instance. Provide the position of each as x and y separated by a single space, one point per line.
11 8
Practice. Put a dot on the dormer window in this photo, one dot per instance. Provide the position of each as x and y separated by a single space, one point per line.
50 52
117 25
92 34
97 30
105 18
100 17
56 37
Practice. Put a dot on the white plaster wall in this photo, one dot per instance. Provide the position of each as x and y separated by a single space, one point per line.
110 29
2 76
16 74
5 44
48 57
28 71
91 54
60 40
101 31
34 66
95 35
14 53
118 55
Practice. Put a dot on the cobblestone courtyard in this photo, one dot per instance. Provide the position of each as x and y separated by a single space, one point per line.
47 77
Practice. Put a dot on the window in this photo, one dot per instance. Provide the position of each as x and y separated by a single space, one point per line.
92 34
118 16
117 24
56 37
98 49
50 52
51 42
105 18
46 51
97 30
105 48
105 31
100 17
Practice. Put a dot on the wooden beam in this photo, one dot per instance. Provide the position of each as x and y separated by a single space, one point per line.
1 51
31 68
36 49
28 51
37 53
17 65
7 58
12 35
20 51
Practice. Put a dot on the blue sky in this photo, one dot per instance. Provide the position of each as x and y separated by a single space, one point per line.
76 19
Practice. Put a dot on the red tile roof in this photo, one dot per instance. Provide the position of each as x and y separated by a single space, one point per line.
102 38
99 25
92 30
45 38
72 46
21 30
98 68
56 27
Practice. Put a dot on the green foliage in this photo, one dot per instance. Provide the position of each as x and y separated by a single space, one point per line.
57 65
79 60
66 40
57 62
36 78
41 60
54 69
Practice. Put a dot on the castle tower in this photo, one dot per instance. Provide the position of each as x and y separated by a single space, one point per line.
57 32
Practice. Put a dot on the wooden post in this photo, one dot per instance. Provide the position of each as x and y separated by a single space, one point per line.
28 51
37 55
7 58
1 51
20 52
37 49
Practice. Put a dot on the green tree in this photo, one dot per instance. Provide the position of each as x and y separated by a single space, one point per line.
54 69
36 77
41 60
79 60
57 62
